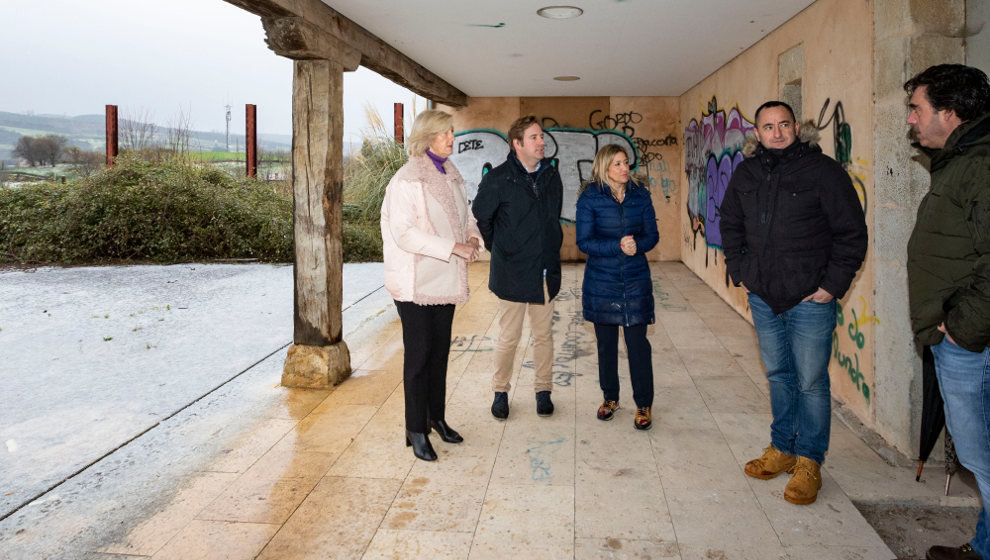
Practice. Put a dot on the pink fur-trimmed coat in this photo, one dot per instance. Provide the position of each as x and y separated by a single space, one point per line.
424 214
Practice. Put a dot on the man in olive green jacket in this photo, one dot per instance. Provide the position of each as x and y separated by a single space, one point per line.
949 265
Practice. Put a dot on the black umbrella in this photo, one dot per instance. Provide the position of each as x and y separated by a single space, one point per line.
933 420
932 409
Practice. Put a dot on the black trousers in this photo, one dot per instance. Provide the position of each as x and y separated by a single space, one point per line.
640 362
426 346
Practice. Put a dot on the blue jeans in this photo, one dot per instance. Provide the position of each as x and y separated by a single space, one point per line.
796 346
964 379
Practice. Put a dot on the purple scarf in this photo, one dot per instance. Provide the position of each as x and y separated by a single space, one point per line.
437 161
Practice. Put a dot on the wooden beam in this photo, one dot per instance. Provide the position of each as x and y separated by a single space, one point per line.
295 38
376 54
319 356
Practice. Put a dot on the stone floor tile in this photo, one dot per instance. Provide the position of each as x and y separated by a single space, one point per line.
746 434
150 535
832 520
838 553
330 430
767 551
732 394
525 520
367 386
391 544
435 504
704 362
284 461
719 519
337 520
690 452
245 450
535 452
625 503
379 450
253 500
623 549
209 540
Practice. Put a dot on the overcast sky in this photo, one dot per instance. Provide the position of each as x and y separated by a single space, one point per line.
160 57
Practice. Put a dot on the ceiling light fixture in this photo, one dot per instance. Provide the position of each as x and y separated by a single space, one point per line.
559 12
567 78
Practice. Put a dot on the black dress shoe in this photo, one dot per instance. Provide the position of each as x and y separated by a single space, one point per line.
421 446
445 432
964 552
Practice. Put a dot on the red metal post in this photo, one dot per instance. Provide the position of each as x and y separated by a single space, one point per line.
112 150
251 118
399 126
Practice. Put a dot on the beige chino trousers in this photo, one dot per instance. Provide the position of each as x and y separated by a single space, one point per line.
510 322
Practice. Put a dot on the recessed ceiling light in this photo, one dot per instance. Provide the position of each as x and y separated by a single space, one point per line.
567 78
560 12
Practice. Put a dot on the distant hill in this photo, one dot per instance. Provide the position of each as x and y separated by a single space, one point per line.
89 133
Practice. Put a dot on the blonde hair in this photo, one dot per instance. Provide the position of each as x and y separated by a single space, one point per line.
427 126
603 159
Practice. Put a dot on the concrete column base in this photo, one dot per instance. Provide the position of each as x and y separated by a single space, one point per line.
316 367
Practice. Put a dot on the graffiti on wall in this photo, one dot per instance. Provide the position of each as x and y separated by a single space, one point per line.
842 143
712 150
573 150
849 327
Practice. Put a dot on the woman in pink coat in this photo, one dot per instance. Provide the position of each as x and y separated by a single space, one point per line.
428 237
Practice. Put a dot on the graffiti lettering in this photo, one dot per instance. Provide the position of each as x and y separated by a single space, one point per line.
466 145
847 362
599 120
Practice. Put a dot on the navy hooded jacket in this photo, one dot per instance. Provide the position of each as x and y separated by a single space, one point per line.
617 288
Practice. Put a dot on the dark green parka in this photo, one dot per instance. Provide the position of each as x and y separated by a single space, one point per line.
949 251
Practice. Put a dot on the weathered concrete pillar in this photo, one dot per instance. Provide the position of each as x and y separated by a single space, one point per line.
319 356
910 35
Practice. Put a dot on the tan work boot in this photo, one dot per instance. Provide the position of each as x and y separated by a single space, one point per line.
771 464
805 483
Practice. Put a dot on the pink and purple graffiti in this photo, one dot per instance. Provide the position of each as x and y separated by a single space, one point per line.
712 150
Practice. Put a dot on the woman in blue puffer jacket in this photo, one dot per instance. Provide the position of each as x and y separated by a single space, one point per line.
616 226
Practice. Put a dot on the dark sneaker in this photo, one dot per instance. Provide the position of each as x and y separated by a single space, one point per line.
500 406
964 552
544 406
607 410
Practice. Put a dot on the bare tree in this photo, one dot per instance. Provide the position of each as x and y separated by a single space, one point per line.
137 132
84 163
178 133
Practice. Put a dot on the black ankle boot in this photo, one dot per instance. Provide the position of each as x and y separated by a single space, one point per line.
445 432
421 446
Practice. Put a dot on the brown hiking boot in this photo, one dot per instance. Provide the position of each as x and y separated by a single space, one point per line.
805 482
771 464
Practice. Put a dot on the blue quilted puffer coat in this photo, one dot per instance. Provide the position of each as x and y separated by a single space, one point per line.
617 288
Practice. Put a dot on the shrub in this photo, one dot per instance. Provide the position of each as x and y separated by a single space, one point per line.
163 212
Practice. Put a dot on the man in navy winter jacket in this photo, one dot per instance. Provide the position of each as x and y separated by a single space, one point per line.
518 212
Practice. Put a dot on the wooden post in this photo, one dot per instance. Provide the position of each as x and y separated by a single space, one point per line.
251 138
319 357
398 125
111 130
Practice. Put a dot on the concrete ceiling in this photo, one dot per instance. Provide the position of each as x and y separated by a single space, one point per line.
496 48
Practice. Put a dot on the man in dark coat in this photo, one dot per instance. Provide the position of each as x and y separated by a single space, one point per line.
794 235
948 265
518 211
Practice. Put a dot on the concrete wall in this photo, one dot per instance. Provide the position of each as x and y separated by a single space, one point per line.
825 56
576 127
911 35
